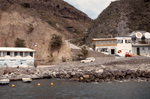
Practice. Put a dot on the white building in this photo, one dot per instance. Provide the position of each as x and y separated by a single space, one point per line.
141 49
124 45
12 56
105 45
138 43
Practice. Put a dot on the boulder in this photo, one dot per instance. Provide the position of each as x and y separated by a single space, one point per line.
86 76
67 76
99 71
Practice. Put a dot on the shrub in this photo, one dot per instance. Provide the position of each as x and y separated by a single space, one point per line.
50 58
20 43
93 46
63 59
83 53
6 44
26 5
56 40
30 28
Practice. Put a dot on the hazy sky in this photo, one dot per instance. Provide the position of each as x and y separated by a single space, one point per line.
91 7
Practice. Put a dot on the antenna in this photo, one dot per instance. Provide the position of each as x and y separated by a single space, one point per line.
139 35
147 35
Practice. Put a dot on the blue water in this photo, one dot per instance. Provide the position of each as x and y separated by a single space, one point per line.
66 89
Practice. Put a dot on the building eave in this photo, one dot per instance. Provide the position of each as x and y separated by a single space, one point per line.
140 45
18 49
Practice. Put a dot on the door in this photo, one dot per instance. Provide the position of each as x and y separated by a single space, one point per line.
138 51
112 51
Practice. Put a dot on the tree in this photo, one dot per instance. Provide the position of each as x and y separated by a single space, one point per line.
83 53
20 43
56 40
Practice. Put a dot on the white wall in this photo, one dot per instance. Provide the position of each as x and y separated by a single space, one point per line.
108 47
11 60
145 51
124 46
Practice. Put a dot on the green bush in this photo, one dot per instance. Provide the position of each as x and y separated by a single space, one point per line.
6 44
64 59
83 53
20 43
56 41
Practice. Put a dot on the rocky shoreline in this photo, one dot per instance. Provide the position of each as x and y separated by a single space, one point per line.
122 70
81 75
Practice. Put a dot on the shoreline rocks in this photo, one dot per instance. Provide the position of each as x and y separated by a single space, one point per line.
81 75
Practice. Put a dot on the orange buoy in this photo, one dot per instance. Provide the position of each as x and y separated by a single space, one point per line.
12 86
38 84
52 84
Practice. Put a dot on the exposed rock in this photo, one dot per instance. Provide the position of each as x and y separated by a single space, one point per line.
86 76
100 71
120 18
36 20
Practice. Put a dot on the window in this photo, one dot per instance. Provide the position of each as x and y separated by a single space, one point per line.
143 48
129 41
97 42
105 42
121 41
126 41
21 54
118 41
26 54
8 53
0 54
109 42
101 42
148 48
31 54
104 50
4 54
114 42
16 53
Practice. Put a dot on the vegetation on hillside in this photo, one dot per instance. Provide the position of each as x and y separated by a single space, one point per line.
56 41
83 53
20 43
36 20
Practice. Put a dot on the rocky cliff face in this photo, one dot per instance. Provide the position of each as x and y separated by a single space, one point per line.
120 18
36 20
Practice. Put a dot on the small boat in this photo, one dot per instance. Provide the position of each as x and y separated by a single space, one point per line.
26 80
4 81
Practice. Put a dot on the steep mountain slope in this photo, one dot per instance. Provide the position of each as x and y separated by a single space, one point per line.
120 18
36 20
59 14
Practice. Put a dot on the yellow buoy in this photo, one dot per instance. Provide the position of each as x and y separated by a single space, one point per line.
52 84
38 84
81 78
12 86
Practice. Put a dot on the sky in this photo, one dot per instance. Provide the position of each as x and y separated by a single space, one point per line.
91 7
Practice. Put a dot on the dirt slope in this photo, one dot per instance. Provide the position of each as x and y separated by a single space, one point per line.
36 20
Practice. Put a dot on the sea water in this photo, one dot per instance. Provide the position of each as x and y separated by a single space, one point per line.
66 89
